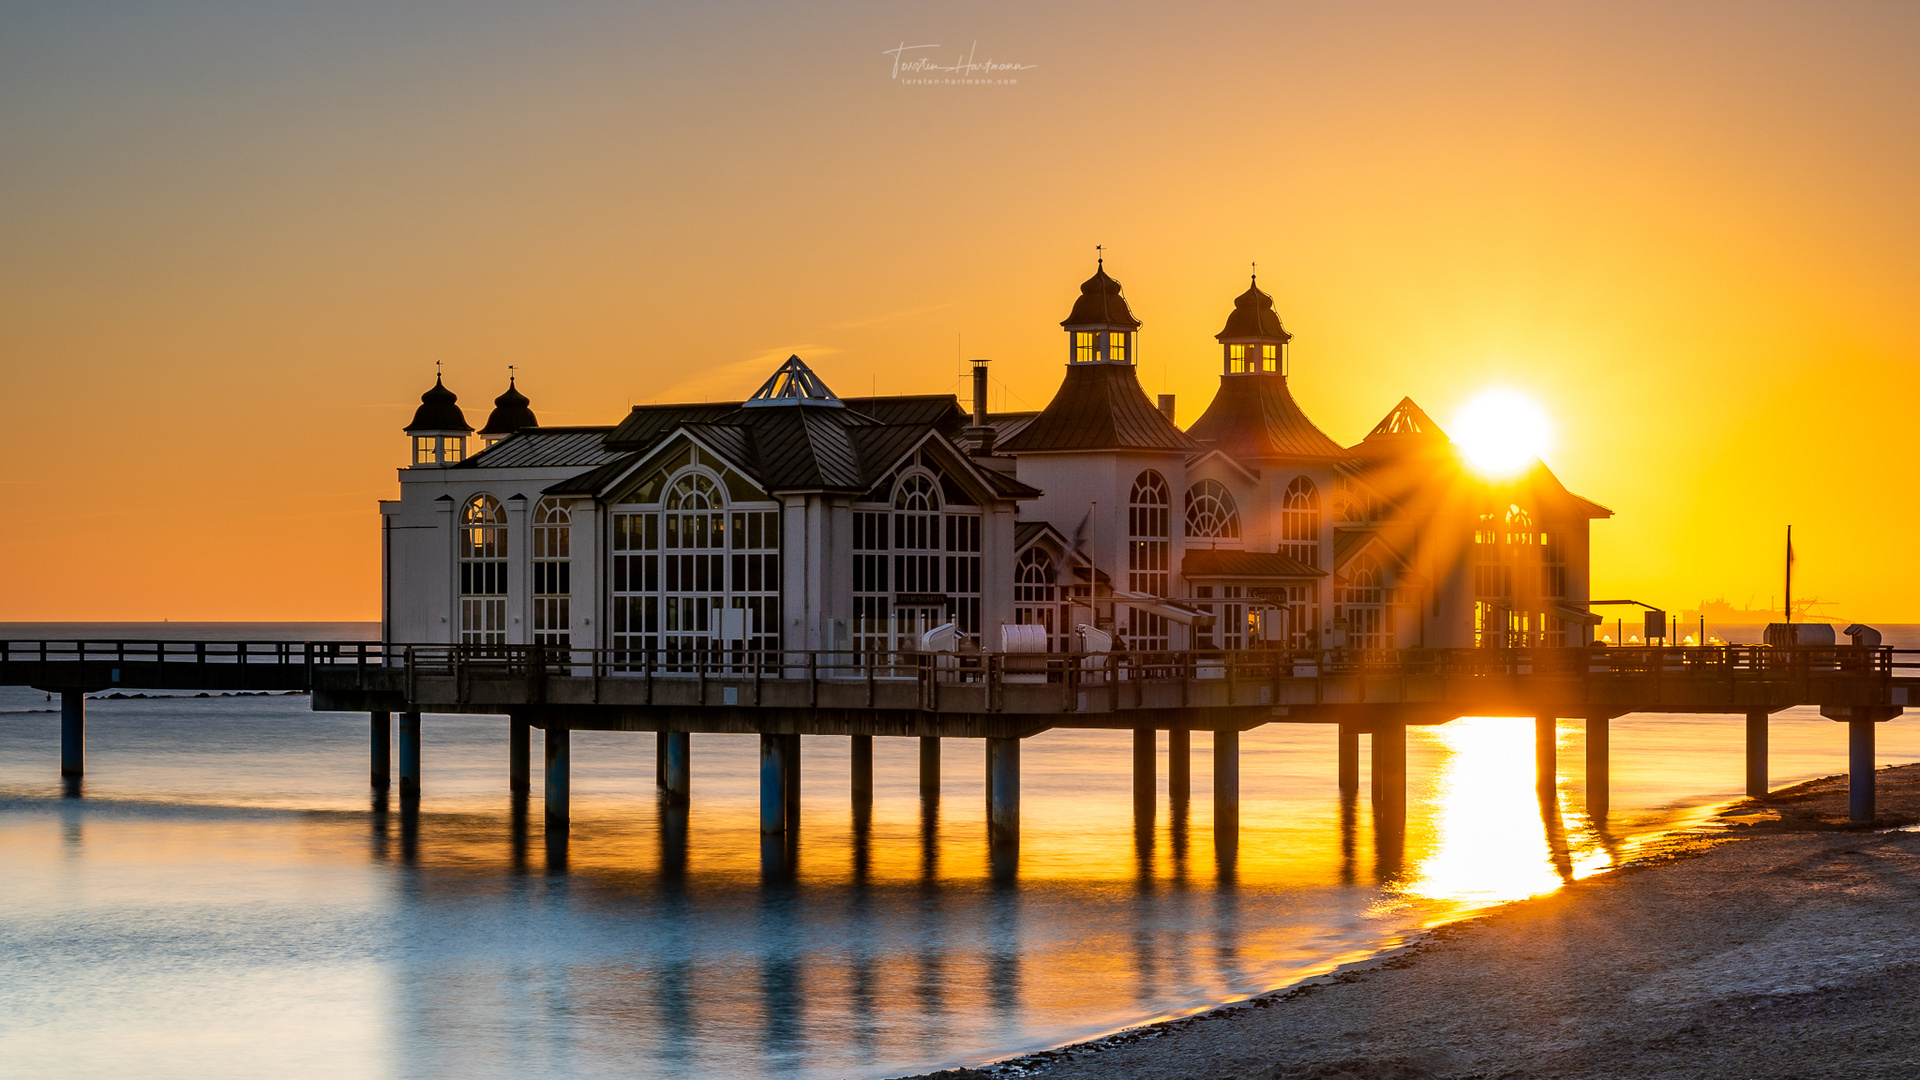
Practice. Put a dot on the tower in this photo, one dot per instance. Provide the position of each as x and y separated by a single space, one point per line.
439 430
510 414
1253 341
1101 329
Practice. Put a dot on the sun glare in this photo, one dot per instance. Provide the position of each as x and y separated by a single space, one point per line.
1501 431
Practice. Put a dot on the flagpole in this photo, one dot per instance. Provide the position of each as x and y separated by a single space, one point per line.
1789 575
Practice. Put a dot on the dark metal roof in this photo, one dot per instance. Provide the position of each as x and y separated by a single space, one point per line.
1255 417
1099 407
1101 304
646 425
940 411
1253 319
510 413
1406 421
545 448
1215 562
438 411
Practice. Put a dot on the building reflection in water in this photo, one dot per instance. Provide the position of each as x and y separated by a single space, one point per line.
681 942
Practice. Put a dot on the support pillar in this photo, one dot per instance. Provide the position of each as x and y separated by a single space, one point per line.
1349 759
1546 752
793 782
73 733
1226 784
1179 766
1599 767
1003 792
862 772
519 755
1757 754
382 732
679 767
559 762
1860 766
1145 774
930 767
1390 771
773 785
409 755
660 759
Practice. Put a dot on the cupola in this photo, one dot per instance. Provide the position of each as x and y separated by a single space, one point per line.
510 414
439 430
1254 342
1101 328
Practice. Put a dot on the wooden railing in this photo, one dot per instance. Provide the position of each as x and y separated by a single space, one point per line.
131 651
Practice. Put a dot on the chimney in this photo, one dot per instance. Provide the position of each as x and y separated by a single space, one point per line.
980 432
1166 406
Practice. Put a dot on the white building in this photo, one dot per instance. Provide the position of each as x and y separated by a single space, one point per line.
800 520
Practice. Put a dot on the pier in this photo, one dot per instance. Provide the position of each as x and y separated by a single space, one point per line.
779 695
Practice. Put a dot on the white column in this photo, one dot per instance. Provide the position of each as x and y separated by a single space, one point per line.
589 573
996 574
519 572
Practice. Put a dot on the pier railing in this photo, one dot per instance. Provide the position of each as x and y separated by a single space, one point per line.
153 651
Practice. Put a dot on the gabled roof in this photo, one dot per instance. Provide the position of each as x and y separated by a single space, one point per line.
1100 304
1348 543
1225 562
553 447
1253 319
1028 533
1099 407
1255 417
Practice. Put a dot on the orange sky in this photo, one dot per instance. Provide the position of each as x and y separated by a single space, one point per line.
238 235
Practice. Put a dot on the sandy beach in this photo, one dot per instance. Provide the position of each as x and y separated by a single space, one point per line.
1784 944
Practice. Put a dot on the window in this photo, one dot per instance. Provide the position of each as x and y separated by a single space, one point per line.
1211 512
1230 614
1149 551
1269 357
872 598
454 447
1036 596
424 450
1511 559
1117 347
483 572
694 577
552 574
1083 348
1361 600
1352 503
1237 359
1300 522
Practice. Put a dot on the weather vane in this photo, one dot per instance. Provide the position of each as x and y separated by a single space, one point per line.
1099 256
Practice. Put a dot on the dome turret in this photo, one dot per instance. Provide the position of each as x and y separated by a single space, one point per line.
1100 328
1253 341
439 429
510 414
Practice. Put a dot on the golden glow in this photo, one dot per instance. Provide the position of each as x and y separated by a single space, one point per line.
1501 431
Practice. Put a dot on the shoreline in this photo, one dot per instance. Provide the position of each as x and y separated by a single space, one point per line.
1773 942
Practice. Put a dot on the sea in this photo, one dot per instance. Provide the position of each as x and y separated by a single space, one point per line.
226 898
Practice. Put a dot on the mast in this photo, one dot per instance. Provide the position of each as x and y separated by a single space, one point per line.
1789 597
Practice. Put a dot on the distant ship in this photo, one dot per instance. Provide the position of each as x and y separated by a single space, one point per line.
1721 613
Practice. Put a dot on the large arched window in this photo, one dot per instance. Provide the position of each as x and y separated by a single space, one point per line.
1300 522
1211 513
483 572
1361 599
693 537
1149 526
1036 594
552 573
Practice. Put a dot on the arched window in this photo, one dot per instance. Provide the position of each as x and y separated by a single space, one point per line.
1211 512
552 573
1362 601
1149 525
1300 522
483 572
1351 502
693 537
1036 595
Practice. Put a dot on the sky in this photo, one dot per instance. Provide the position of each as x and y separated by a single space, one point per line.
236 236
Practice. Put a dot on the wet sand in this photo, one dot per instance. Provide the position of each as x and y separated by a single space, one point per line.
1785 945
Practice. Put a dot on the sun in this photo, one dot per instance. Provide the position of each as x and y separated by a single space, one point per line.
1502 431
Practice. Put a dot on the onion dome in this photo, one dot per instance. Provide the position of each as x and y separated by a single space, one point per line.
1100 304
438 411
1253 319
510 413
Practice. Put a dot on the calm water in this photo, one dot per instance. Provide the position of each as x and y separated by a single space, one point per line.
223 901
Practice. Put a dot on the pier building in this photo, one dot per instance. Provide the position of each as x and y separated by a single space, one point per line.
798 519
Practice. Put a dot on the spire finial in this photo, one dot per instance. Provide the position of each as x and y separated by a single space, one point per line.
1256 273
436 371
1099 256
509 376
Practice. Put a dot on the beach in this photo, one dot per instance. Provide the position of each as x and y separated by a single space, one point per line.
1780 942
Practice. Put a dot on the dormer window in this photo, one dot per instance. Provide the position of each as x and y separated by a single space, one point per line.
1083 351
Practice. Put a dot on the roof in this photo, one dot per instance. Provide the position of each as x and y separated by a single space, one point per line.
1405 423
1348 543
438 411
1255 417
646 425
1253 319
510 413
1226 562
793 383
1027 533
1099 407
1101 304
545 448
